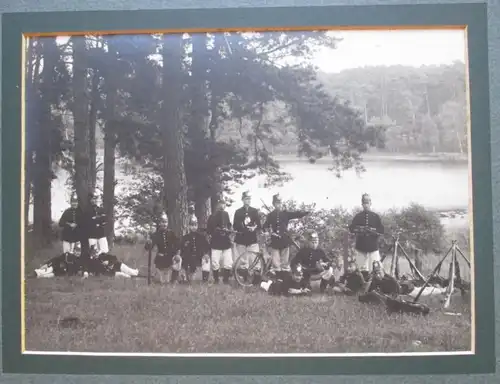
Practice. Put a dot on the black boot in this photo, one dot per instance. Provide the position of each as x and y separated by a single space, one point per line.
204 276
323 285
244 274
174 277
216 276
225 276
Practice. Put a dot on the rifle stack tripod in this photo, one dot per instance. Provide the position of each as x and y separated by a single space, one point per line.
454 272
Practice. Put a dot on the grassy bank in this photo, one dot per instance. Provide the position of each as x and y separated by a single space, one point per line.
128 316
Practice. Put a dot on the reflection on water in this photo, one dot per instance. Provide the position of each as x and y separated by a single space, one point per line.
392 184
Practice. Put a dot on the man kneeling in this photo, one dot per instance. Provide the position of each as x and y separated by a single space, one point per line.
314 261
288 285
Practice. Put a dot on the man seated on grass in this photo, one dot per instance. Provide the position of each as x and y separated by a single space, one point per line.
352 282
288 285
194 248
67 264
313 260
107 265
380 283
167 245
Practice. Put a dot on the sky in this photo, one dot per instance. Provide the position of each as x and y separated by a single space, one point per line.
414 48
397 47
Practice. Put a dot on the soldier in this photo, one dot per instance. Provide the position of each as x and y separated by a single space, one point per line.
352 282
368 227
96 224
67 264
168 248
289 286
246 222
107 265
380 283
277 222
313 260
219 229
71 223
194 250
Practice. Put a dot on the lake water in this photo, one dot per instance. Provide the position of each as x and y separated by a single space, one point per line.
391 182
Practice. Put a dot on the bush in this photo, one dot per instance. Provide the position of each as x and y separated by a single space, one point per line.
419 227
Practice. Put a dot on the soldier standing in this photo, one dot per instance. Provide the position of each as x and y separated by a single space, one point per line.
219 229
71 224
195 249
246 222
367 226
168 248
96 224
277 222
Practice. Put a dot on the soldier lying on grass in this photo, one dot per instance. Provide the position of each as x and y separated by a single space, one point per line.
106 264
287 285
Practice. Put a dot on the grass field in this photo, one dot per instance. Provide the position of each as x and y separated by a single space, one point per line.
119 315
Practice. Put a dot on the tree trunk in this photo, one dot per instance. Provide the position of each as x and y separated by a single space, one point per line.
30 126
83 180
42 212
109 179
94 101
174 176
198 127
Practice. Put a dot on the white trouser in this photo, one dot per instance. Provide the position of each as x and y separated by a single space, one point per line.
69 247
205 263
222 258
101 245
248 252
368 258
280 259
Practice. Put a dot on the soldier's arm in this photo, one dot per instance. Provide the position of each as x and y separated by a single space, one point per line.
297 214
380 226
353 227
256 219
63 220
238 224
228 224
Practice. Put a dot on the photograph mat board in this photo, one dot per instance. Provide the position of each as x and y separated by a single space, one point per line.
293 354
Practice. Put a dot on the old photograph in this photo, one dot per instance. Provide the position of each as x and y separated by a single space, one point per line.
268 192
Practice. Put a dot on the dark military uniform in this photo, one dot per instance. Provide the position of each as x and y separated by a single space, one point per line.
71 216
194 246
387 285
243 218
66 264
353 282
277 222
286 286
310 259
167 245
220 243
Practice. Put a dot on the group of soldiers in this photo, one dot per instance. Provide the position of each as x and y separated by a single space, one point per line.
223 243
85 245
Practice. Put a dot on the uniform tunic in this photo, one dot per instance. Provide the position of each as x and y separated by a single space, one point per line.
354 281
387 285
244 218
73 216
283 287
219 240
167 244
194 246
309 258
96 222
367 242
277 222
